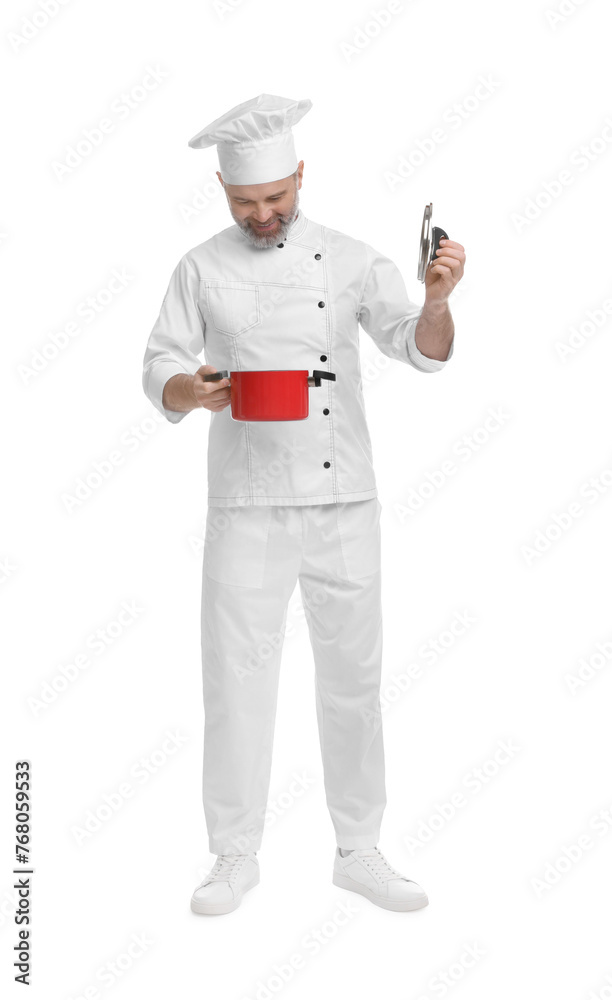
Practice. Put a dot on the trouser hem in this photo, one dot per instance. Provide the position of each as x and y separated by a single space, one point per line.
227 847
358 843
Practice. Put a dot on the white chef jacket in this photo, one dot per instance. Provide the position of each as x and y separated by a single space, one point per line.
297 304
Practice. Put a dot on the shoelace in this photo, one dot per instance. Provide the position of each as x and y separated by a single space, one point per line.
378 864
226 867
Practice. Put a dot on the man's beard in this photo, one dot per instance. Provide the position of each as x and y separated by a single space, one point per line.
280 232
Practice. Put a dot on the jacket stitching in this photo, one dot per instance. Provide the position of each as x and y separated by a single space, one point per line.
220 283
365 278
247 438
328 340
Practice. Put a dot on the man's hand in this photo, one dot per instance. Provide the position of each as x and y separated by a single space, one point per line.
187 392
444 272
435 329
210 395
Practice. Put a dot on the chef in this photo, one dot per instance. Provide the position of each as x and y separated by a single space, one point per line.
289 500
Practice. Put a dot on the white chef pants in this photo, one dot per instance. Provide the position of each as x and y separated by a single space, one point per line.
252 558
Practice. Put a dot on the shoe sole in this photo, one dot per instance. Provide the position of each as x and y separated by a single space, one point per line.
343 882
213 909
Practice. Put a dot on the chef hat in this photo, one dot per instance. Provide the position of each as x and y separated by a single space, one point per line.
254 140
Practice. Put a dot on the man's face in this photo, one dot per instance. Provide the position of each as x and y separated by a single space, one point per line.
265 212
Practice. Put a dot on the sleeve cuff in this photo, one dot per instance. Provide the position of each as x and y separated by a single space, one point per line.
421 361
154 382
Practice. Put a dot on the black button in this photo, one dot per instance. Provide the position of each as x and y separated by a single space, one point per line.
321 305
317 256
280 244
325 411
323 357
327 464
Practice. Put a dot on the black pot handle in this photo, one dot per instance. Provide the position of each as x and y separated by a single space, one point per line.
315 378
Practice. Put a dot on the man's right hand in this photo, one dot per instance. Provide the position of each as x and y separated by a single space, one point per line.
210 395
187 392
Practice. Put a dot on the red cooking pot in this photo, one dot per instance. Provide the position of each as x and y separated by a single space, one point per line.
270 395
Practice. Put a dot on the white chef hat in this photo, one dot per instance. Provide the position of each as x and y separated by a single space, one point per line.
254 140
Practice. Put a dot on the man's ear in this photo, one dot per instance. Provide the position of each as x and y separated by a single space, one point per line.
300 173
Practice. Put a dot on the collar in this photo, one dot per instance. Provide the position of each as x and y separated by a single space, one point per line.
298 226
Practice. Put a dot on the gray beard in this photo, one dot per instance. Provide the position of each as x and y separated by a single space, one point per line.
261 239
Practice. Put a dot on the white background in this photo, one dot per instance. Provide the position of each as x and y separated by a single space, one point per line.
501 873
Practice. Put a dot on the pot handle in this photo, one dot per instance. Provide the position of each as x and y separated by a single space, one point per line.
215 376
315 378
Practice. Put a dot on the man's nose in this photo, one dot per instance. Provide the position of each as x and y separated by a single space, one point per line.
263 215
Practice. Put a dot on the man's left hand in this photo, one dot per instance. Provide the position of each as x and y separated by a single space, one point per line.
444 272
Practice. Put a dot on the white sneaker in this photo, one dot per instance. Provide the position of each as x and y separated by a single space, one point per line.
226 883
369 873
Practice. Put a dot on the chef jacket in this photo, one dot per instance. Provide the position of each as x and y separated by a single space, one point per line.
297 304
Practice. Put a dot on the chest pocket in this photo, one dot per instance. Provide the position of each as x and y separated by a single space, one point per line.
233 306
